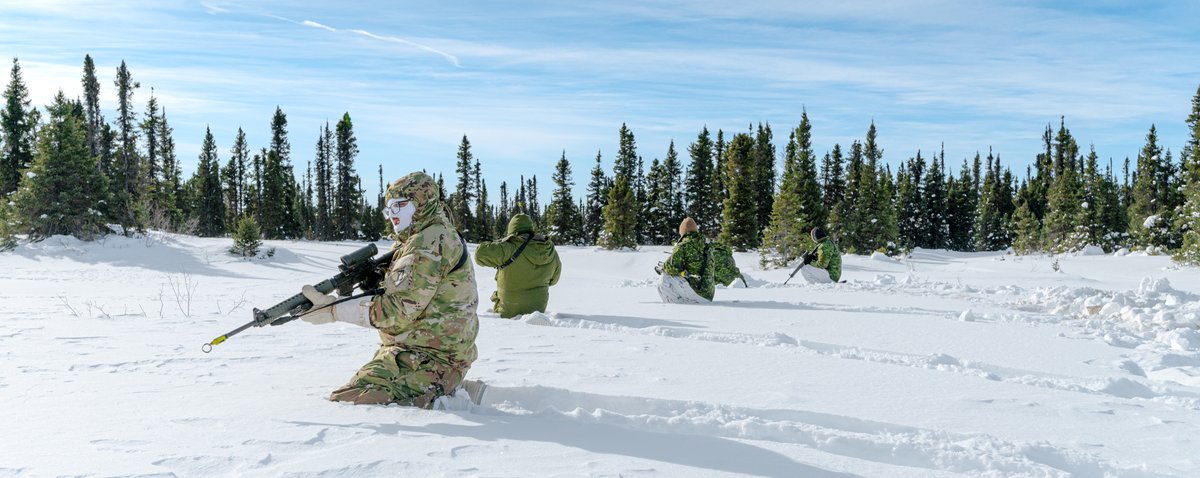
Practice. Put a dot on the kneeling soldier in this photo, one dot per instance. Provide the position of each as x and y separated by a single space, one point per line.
426 313
526 266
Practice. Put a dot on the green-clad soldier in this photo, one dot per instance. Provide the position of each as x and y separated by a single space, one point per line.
526 266
690 265
824 264
426 313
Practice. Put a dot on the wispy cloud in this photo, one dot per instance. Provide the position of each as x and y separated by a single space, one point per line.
551 77
450 58
313 24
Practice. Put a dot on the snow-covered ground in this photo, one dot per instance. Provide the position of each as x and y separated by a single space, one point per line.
944 364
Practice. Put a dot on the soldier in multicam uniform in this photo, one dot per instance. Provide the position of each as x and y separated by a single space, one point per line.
426 314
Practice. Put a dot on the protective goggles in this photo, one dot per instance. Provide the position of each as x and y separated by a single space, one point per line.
393 207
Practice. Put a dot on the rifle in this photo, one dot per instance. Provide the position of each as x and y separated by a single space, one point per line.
359 269
807 258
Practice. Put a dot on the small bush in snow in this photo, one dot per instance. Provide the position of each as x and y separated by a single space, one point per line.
246 238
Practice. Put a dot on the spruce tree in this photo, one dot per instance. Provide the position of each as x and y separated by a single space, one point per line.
128 202
246 238
798 206
701 190
562 218
461 202
832 180
1189 217
933 205
151 167
520 201
1026 229
620 221
655 216
324 186
534 208
1064 229
18 125
348 196
910 201
91 103
672 184
960 210
1149 214
739 214
62 187
720 169
274 198
622 209
483 214
171 195
597 198
845 223
638 183
503 212
874 209
206 184
764 175
989 221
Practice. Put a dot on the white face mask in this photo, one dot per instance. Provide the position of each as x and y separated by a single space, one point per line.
399 212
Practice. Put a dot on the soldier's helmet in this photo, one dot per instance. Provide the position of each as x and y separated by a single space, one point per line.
418 187
818 234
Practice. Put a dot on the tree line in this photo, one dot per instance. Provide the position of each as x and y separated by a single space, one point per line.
76 172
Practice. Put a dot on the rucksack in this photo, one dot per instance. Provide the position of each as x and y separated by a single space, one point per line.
725 270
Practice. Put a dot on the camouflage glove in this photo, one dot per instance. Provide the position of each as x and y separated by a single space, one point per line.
354 311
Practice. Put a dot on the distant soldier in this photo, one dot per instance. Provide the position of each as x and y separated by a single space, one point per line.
687 276
526 266
824 264
426 313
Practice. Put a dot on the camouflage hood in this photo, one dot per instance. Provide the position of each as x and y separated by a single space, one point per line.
423 191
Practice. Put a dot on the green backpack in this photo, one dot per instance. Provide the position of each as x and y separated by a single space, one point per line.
725 270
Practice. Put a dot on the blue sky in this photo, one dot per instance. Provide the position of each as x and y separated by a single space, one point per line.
528 80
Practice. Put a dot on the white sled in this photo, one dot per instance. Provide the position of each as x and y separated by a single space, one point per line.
814 275
675 290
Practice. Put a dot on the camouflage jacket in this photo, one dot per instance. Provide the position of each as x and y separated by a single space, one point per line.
687 259
425 307
828 258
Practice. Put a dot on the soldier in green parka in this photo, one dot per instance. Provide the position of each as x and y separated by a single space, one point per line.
526 266
426 314
824 264
690 260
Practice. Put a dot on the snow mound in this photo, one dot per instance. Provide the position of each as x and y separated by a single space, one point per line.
1090 250
1153 313
881 257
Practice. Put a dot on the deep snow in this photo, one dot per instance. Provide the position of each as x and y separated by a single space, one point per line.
943 364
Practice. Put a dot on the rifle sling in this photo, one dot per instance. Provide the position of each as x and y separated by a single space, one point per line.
528 237
461 259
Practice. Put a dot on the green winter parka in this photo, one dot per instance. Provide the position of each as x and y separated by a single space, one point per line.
829 258
524 285
691 259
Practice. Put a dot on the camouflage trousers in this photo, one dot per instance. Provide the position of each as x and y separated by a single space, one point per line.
406 377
